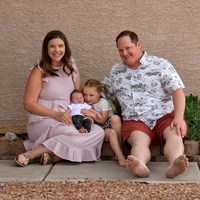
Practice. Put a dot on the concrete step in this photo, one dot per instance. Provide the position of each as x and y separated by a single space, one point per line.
90 171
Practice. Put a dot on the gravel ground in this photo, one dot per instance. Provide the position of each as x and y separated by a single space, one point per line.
98 190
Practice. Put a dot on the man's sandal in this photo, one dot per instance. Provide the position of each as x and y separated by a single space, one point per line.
27 159
50 159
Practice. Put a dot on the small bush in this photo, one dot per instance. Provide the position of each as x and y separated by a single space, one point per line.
117 107
192 117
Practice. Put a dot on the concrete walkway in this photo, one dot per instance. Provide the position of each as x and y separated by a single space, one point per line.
102 170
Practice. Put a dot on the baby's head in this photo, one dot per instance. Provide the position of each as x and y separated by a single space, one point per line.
76 97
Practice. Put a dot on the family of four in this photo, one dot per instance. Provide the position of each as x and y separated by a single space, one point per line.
70 121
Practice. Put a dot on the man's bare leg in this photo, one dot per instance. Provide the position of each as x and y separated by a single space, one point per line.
178 166
174 152
140 154
137 167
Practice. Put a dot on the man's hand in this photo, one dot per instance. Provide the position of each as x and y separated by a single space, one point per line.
180 125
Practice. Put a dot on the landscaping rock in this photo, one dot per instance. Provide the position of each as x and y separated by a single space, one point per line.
191 148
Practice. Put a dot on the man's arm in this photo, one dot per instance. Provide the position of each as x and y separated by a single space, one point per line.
179 109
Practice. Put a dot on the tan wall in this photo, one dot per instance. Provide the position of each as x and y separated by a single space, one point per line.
169 29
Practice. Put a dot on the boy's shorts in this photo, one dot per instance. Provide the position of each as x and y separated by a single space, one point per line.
155 135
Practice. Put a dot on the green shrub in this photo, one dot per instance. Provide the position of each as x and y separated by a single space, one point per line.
192 116
117 107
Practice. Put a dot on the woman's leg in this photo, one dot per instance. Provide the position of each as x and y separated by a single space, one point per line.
31 155
49 159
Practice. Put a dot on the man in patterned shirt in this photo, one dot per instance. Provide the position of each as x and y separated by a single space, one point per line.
152 101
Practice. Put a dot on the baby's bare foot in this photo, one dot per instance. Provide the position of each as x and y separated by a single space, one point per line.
82 130
122 161
136 167
178 166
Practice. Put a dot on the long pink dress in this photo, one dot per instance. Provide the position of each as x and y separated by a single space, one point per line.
63 140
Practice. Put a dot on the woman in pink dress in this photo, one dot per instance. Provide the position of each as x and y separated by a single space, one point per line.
51 133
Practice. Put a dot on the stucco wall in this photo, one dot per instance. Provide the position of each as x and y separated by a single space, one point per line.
169 29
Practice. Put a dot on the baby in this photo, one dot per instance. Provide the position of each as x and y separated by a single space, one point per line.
82 123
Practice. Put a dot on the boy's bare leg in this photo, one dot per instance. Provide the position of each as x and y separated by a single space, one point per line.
116 124
112 136
140 154
174 152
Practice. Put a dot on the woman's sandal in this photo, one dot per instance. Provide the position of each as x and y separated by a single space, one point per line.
27 159
50 159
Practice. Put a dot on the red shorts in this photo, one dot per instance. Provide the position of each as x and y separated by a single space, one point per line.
155 135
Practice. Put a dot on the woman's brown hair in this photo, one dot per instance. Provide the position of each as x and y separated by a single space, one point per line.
45 62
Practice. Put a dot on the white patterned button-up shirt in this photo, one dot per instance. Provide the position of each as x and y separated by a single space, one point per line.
145 93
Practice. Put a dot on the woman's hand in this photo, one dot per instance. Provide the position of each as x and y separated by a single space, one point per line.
64 117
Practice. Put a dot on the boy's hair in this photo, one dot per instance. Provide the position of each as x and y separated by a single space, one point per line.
74 91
